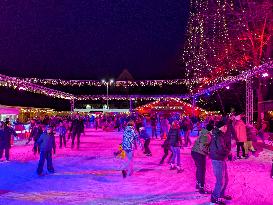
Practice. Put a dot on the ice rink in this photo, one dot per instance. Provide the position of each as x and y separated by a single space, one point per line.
92 175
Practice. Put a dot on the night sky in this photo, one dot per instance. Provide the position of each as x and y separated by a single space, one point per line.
92 39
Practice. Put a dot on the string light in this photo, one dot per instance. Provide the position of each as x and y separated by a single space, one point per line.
96 83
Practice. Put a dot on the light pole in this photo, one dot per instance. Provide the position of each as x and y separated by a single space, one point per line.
107 90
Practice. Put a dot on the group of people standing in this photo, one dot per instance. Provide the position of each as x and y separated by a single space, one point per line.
214 140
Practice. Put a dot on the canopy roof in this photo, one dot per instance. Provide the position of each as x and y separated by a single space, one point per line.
171 105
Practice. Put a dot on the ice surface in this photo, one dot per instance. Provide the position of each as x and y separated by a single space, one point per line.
92 175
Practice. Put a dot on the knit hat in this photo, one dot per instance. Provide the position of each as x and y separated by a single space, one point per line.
220 124
209 127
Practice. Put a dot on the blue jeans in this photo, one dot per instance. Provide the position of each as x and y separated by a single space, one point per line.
176 154
128 163
221 174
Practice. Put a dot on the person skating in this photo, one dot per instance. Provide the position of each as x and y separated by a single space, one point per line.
272 171
5 142
199 152
46 142
175 140
187 128
219 151
62 132
241 138
76 130
166 146
35 133
251 134
130 138
144 135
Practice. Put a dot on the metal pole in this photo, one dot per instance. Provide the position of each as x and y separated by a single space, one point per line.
249 101
193 106
107 95
131 105
72 105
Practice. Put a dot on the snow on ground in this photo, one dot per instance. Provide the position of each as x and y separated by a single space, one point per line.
92 175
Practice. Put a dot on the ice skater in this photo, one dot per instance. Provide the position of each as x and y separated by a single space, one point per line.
219 151
76 130
144 135
174 137
130 138
199 153
272 170
166 146
5 139
46 142
241 138
62 132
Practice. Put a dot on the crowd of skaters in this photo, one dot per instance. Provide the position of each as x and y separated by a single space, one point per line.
215 136
214 139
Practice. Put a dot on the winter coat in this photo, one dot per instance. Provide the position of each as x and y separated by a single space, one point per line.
174 137
5 141
76 126
219 146
130 138
240 130
201 145
165 125
144 135
230 133
166 144
62 130
46 143
187 125
2 136
36 133
251 133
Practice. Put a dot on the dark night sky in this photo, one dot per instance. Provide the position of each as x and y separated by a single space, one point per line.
91 39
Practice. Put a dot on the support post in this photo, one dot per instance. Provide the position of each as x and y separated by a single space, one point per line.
72 104
131 105
193 106
249 101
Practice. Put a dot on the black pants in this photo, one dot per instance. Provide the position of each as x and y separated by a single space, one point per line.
240 145
62 139
146 146
6 152
166 152
48 157
154 133
200 163
272 170
78 138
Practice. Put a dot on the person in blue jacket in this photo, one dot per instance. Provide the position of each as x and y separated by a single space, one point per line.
46 142
62 132
129 141
144 135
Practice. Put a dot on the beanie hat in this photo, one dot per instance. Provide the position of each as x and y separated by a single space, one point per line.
220 124
209 127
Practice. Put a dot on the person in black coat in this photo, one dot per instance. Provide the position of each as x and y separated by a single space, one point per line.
77 127
47 143
175 141
5 141
35 133
219 150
